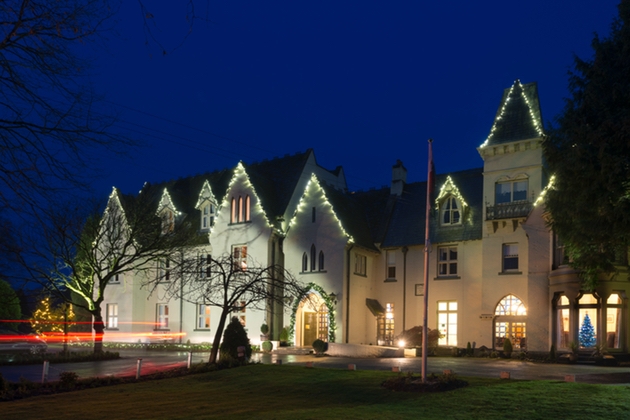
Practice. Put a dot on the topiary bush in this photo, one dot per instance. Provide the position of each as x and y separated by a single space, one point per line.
234 337
507 348
267 346
320 346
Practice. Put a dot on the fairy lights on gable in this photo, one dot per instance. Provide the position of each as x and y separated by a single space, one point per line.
312 187
241 173
205 195
535 121
166 202
541 197
449 188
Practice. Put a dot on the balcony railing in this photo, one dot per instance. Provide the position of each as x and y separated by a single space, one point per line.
508 210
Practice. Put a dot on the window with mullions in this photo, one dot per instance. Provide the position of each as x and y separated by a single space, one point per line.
203 317
111 310
447 322
205 266
164 272
451 212
510 257
360 264
240 209
239 257
512 191
447 261
161 316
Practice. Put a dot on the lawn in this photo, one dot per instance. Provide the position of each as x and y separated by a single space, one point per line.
293 392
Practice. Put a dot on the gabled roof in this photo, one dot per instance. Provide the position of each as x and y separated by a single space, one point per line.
518 116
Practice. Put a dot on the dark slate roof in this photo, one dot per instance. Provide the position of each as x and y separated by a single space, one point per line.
377 206
275 181
351 214
406 224
513 120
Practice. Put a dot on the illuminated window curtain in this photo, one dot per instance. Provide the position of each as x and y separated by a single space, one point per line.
240 209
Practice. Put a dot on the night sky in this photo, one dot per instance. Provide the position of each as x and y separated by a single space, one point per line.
363 83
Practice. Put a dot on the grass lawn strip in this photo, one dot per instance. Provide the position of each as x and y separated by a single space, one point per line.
290 392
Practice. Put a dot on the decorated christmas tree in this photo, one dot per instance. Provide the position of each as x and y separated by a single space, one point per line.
587 333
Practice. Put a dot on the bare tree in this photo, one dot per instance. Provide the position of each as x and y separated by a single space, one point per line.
230 282
85 254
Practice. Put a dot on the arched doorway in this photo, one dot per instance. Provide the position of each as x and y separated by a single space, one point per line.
510 321
312 320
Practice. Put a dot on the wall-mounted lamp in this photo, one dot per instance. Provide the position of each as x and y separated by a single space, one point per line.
333 298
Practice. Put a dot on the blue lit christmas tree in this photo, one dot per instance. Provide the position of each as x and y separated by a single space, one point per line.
587 333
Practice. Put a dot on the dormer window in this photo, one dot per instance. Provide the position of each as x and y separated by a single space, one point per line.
207 216
450 212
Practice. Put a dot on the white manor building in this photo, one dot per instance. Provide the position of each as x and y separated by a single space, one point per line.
495 269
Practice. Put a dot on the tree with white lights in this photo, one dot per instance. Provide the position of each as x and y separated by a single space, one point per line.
231 282
84 254
589 154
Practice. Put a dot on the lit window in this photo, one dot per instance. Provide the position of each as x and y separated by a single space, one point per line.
447 323
510 305
203 317
240 209
510 257
509 192
447 261
233 210
207 216
168 221
247 209
161 316
111 314
239 257
451 212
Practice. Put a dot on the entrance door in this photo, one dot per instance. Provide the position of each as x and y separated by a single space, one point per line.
310 328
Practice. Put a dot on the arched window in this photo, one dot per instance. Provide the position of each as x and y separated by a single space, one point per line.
510 305
563 322
451 212
304 262
588 312
322 322
233 210
240 208
313 257
614 305
510 322
321 260
247 212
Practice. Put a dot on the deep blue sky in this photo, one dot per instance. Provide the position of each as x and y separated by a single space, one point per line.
362 82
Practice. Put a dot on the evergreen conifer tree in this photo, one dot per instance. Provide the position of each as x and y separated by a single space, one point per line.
587 333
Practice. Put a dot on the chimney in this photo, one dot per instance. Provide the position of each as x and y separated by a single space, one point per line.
399 178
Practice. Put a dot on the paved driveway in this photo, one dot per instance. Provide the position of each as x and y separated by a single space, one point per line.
464 366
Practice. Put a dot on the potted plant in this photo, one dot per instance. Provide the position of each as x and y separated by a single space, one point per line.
264 330
284 337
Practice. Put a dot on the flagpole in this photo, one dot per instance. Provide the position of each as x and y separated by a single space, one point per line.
427 249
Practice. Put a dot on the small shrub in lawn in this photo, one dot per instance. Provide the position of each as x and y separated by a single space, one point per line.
320 346
434 383
68 379
235 337
469 350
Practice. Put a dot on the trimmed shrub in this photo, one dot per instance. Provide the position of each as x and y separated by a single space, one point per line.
507 347
234 337
320 346
267 346
68 379
264 329
284 335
